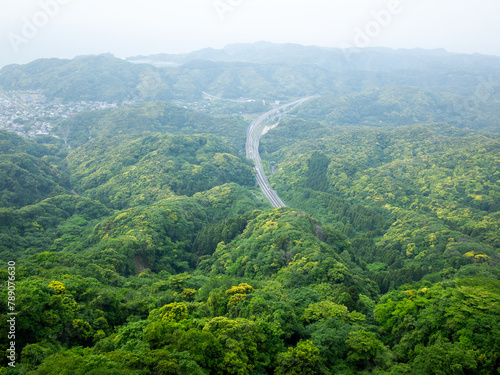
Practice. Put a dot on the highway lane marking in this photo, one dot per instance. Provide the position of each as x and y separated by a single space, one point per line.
252 151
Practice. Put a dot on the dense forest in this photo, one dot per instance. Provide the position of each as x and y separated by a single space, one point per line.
150 117
389 106
143 245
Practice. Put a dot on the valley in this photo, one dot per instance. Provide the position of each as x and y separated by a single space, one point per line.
160 223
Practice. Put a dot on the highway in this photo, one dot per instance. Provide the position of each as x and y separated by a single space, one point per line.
254 132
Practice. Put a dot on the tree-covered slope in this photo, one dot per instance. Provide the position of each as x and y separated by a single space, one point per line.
287 243
126 171
54 224
149 118
26 179
402 105
414 200
28 171
171 261
317 314
11 143
99 78
106 78
371 58
271 72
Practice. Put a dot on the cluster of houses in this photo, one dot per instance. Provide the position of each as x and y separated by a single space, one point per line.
28 114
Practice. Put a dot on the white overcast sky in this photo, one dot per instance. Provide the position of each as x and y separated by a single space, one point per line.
31 29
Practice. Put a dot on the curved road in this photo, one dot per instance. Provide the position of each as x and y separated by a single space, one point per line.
254 132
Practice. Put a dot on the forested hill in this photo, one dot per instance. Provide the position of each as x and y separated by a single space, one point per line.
368 59
259 71
27 170
406 105
414 200
143 245
102 77
129 170
149 117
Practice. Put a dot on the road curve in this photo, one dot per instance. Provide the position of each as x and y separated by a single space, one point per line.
254 132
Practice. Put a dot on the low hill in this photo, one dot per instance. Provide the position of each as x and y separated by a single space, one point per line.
125 171
414 200
333 59
29 172
149 117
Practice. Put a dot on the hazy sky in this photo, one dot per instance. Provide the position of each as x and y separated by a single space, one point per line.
31 29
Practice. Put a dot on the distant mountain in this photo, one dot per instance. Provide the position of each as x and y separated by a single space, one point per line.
258 71
333 59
